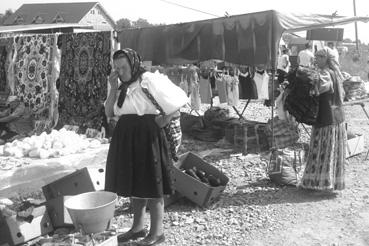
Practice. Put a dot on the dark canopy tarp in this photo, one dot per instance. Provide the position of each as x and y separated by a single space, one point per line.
248 39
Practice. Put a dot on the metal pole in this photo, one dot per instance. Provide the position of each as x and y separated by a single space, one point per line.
356 34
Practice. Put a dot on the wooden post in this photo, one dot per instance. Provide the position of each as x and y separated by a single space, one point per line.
356 34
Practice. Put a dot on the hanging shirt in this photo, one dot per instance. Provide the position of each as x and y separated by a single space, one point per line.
262 83
306 58
184 85
222 92
284 63
195 96
205 91
169 96
248 89
232 90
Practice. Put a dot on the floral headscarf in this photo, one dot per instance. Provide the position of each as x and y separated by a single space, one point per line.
338 77
137 70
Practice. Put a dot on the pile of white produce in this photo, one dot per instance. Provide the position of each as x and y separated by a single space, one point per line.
56 144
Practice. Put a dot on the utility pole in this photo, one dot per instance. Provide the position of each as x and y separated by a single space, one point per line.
356 35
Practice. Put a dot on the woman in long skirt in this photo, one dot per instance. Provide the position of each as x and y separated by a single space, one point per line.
325 167
139 164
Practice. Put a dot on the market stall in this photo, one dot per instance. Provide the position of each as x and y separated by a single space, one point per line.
249 39
62 81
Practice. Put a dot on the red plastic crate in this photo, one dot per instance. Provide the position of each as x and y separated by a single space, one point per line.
193 189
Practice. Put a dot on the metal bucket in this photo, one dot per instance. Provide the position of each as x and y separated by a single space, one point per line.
91 212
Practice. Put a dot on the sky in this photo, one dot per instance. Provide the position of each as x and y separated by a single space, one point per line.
165 12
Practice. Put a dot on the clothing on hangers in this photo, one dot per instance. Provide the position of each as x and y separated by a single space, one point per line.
195 96
262 83
205 91
248 89
232 90
222 91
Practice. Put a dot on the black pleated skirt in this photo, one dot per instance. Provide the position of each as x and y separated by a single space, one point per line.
139 163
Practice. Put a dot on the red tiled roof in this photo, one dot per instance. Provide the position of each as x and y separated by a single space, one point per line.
70 12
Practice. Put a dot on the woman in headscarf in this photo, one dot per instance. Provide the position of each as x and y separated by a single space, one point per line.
138 163
327 154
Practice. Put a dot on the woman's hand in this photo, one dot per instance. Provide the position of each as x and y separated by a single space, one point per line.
162 121
113 80
165 120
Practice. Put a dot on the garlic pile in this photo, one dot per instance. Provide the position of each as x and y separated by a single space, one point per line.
56 144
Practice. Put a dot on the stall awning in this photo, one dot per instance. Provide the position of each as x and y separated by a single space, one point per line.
248 39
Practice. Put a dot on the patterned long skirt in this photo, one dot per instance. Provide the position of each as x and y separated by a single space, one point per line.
325 167
139 163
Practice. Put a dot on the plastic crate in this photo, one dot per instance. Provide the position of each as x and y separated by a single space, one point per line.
81 181
193 189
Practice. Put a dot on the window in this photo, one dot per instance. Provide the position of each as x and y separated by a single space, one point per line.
92 11
58 19
19 20
38 20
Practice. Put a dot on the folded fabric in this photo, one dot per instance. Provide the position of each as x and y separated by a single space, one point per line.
169 96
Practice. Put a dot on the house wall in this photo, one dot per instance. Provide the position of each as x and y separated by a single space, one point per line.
98 19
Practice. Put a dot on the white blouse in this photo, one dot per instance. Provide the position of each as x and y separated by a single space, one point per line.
169 96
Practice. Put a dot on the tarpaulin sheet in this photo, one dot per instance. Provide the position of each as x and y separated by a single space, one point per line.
36 173
248 39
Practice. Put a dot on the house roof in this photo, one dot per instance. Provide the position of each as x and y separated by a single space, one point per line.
71 12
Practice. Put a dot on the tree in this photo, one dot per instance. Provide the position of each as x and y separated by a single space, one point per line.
123 23
347 40
141 23
3 17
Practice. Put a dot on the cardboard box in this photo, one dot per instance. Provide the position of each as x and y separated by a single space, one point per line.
80 181
193 189
355 146
15 232
58 213
169 200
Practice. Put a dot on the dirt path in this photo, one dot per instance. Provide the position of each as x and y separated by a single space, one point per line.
319 219
307 218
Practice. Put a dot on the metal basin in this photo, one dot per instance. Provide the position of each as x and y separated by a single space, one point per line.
91 212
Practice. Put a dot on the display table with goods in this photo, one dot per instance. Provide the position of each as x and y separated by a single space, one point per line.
29 164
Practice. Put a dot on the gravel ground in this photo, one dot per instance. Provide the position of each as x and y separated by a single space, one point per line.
254 211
